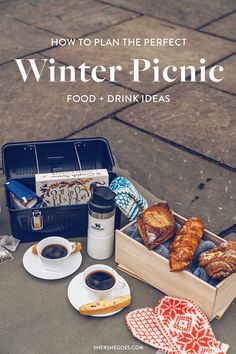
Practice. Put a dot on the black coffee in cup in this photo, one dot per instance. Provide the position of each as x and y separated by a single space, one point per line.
100 280
54 251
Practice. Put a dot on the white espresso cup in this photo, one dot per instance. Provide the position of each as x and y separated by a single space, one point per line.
99 293
55 264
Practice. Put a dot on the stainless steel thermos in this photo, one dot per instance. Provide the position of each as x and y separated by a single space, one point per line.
101 223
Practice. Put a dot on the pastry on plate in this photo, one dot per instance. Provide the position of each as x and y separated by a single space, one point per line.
156 224
105 306
185 244
220 261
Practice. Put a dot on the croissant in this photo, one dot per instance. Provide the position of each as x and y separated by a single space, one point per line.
220 261
156 224
185 244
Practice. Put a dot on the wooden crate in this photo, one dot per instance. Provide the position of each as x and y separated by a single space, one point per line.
152 268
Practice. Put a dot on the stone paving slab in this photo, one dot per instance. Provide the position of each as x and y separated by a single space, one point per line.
187 12
198 117
192 185
198 45
18 39
229 82
38 111
225 27
231 237
67 18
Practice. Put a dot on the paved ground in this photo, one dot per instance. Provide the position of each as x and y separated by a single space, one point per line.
183 151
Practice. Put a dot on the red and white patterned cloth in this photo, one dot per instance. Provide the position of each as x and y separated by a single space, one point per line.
142 324
175 326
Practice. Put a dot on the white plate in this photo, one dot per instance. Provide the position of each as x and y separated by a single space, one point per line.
78 296
34 266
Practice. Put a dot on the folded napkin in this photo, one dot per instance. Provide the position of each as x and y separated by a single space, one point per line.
128 199
175 326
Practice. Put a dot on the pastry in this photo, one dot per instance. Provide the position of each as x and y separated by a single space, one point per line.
34 249
220 261
105 306
185 244
156 224
78 247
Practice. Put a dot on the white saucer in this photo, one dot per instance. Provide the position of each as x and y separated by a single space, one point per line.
34 266
78 296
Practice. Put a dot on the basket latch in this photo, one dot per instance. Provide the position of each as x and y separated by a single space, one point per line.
36 220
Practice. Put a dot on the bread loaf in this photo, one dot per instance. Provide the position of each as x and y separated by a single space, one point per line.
156 224
185 244
105 306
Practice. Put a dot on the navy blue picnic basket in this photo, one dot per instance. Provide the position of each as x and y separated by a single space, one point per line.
23 160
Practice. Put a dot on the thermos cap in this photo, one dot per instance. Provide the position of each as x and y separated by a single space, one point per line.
102 200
